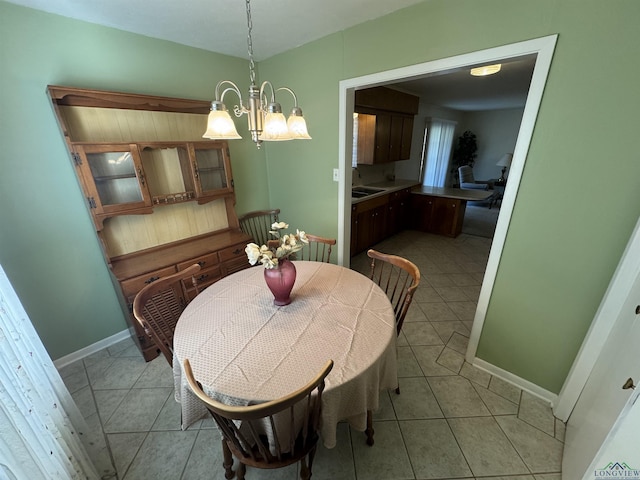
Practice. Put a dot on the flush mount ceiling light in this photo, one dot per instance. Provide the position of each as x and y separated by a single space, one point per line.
264 115
486 70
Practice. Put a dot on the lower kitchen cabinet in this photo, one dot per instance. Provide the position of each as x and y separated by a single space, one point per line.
441 215
377 218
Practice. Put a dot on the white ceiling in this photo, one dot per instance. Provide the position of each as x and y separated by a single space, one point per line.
279 25
221 25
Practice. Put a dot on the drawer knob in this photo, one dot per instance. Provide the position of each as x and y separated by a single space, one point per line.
202 263
151 280
237 251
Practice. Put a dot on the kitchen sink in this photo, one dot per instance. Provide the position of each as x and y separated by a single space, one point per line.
360 191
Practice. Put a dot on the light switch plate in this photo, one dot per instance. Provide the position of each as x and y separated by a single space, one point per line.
336 175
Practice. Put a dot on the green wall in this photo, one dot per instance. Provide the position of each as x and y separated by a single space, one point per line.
575 209
578 201
48 245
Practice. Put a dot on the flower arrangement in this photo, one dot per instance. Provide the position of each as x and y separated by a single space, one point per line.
270 255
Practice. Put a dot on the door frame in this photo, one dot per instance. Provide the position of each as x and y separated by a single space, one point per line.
543 47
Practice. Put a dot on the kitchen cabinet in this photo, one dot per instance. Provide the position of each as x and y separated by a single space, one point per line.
382 137
398 211
140 154
369 225
440 215
383 125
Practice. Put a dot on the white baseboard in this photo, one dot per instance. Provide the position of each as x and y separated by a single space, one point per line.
521 383
91 349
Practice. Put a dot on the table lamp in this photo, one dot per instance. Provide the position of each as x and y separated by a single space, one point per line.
504 162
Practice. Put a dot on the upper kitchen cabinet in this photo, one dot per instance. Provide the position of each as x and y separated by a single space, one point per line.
383 125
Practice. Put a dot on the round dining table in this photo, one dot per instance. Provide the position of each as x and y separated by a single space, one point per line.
243 349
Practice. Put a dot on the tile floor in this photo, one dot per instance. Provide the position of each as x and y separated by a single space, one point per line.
451 420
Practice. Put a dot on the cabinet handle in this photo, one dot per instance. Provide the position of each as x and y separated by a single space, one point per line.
195 170
151 280
237 251
141 176
203 277
202 263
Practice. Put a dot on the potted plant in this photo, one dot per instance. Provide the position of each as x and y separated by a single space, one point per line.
464 152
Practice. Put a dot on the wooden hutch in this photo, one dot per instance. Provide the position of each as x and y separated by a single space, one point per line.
160 196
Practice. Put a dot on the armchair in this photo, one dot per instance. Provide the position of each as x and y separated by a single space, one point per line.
465 175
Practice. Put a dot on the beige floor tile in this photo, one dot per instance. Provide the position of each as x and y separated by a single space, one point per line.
426 294
465 311
457 397
452 294
438 312
162 455
433 450
537 412
124 447
486 448
387 459
416 400
541 452
335 463
446 329
458 343
496 404
421 333
138 410
451 359
505 389
477 376
407 363
427 357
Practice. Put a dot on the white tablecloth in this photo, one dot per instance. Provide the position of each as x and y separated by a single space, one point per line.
243 349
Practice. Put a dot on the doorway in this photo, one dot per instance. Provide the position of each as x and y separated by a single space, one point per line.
542 48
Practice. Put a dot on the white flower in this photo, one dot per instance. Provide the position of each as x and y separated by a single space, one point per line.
253 253
270 256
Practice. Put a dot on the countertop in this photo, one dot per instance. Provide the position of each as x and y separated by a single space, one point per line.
457 193
394 185
387 186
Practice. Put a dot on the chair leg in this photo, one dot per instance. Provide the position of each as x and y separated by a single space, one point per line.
227 461
369 431
312 455
241 470
305 473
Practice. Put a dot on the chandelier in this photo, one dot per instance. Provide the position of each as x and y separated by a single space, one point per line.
264 115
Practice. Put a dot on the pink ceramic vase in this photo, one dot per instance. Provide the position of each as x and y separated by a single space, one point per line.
280 281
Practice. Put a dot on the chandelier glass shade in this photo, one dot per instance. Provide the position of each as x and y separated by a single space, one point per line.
266 122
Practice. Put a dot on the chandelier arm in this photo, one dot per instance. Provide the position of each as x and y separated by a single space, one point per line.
232 87
263 96
287 89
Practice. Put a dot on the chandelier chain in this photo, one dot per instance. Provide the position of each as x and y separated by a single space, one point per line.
252 67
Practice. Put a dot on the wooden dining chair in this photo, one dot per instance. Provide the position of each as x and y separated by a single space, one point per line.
243 428
157 307
258 223
318 249
399 278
